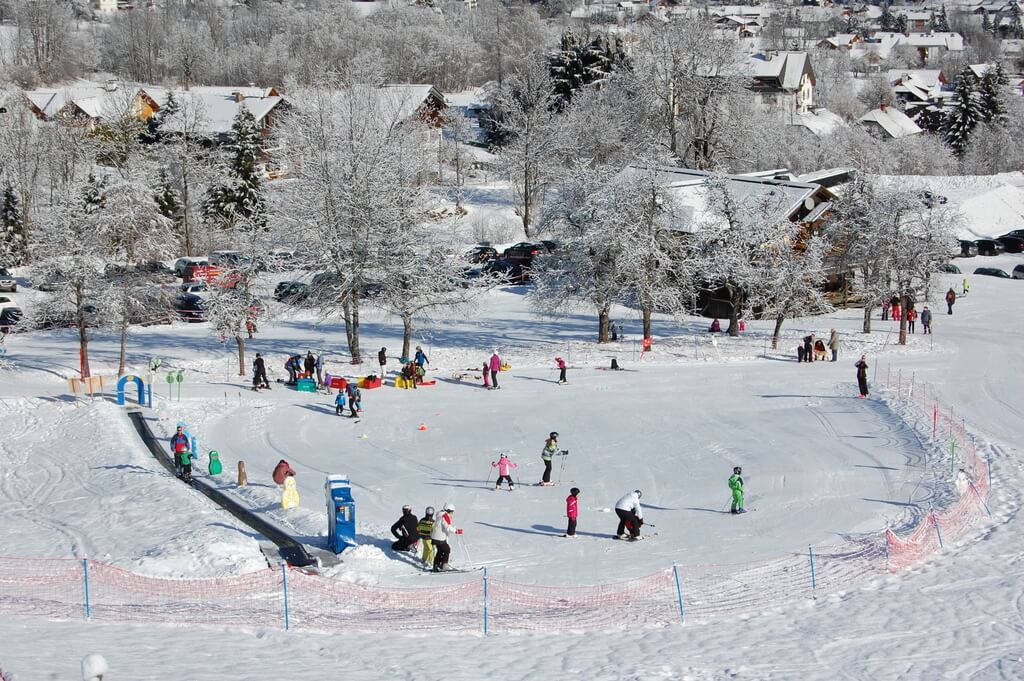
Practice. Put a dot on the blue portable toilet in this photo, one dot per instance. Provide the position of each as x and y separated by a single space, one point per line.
341 513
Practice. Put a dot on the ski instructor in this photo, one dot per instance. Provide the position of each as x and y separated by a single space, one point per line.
443 528
630 514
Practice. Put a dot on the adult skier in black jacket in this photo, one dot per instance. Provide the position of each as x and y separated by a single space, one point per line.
405 530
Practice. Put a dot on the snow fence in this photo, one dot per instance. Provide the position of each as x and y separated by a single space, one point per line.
295 599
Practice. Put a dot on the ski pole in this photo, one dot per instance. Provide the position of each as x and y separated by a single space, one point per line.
488 480
565 453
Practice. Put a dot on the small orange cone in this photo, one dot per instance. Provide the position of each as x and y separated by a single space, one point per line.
423 426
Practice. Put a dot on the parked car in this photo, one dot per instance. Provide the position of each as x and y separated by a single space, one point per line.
510 271
227 259
478 255
7 281
989 247
197 288
1018 272
55 281
279 259
7 303
968 249
1011 244
992 272
157 270
291 291
181 264
9 316
190 307
211 274
949 268
1018 233
524 251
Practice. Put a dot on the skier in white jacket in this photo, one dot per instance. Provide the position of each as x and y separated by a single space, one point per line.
444 526
630 513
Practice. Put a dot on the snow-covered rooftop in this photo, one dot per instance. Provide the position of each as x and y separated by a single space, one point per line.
894 122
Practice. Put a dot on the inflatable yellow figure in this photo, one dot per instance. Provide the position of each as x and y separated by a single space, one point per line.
290 498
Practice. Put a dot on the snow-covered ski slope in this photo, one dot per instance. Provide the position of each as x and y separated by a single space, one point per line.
674 428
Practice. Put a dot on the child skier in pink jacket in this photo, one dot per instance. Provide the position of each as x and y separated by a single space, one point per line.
504 467
572 511
560 363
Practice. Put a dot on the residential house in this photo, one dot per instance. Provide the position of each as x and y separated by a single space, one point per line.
214 109
921 91
81 102
840 41
782 81
888 122
880 45
818 122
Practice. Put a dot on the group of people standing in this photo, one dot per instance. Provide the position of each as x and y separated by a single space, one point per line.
430 533
893 309
491 369
815 349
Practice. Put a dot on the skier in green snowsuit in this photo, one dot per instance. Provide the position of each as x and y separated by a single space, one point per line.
736 485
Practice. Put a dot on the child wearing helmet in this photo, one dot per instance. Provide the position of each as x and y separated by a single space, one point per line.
550 449
572 511
504 466
424 528
736 485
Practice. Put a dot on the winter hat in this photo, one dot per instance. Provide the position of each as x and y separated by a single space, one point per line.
407 509
574 491
429 511
737 470
449 507
638 493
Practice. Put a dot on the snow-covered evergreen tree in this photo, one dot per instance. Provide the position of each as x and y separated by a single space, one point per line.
1014 28
887 21
12 227
991 97
965 114
939 22
241 199
986 23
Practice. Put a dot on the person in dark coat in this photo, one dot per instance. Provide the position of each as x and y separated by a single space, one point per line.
950 299
809 347
405 530
293 365
309 364
926 320
382 360
862 375
259 373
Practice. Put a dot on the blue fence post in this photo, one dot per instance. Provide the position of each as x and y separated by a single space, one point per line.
284 586
486 601
85 584
982 500
679 593
814 581
935 523
149 395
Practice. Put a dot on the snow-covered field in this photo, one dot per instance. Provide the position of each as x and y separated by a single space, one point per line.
820 466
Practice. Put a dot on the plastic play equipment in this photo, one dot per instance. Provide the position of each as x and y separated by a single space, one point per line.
341 513
214 466
290 497
139 383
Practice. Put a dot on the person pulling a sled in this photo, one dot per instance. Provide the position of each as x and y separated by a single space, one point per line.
631 515
736 485
180 442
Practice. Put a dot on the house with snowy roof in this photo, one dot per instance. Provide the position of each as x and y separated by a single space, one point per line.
888 122
212 109
782 81
82 102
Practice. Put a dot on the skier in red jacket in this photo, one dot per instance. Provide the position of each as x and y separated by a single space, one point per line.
572 511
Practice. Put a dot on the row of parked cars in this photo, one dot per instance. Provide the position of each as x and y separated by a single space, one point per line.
1011 242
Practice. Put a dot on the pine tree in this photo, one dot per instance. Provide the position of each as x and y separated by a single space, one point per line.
901 23
167 197
986 23
939 23
92 193
578 65
242 198
1015 29
966 114
990 95
12 227
887 21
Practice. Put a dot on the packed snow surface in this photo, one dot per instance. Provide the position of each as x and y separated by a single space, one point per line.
819 464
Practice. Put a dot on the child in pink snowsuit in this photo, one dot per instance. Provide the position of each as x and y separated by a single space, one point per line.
561 369
572 511
504 467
